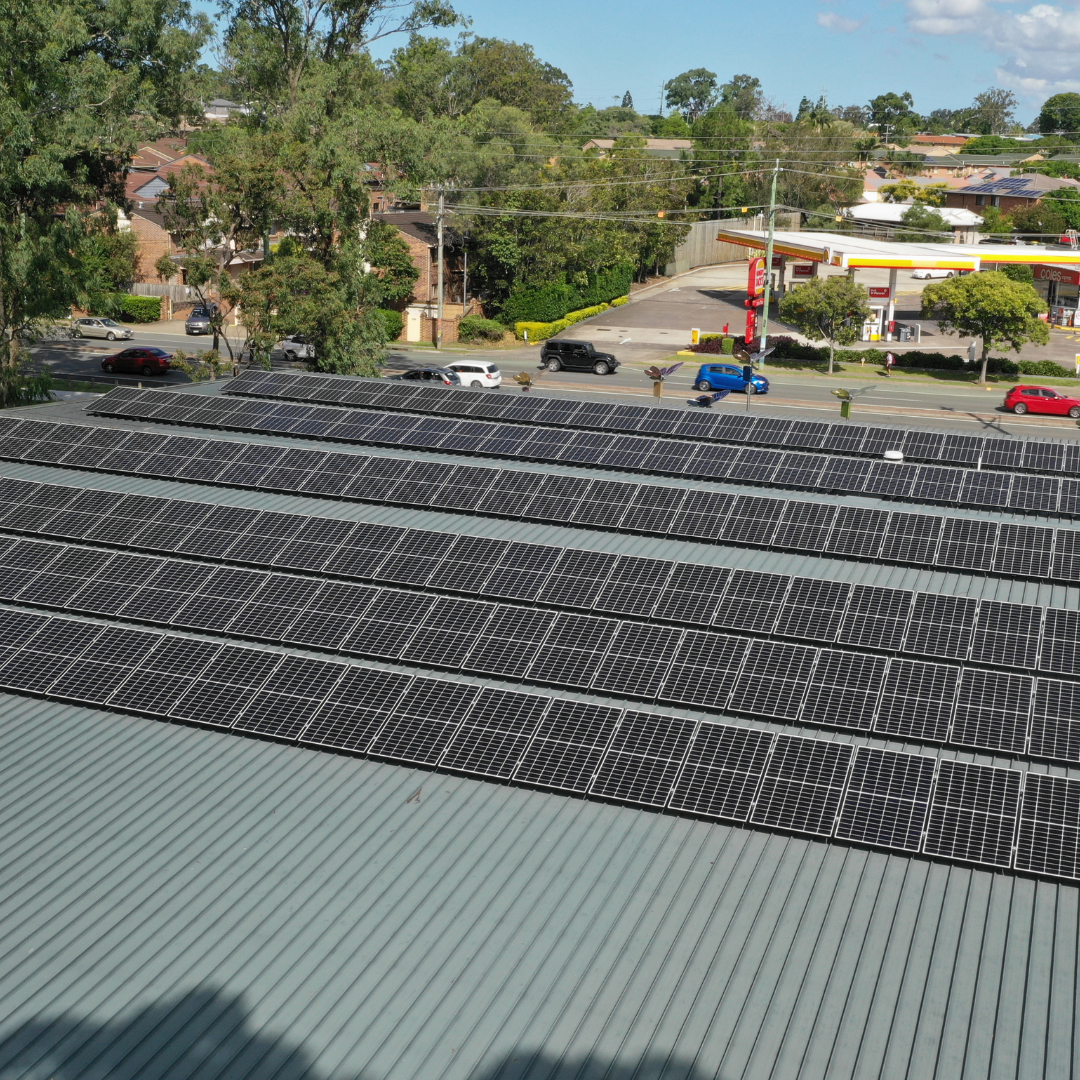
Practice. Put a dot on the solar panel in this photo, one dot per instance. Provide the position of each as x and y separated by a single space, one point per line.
962 449
923 445
634 586
355 710
941 625
703 514
1037 494
844 475
692 593
878 440
723 768
858 530
705 670
510 642
844 438
887 799
282 707
802 786
1024 550
566 752
805 526
843 690
800 470
756 465
753 601
1007 634
973 813
1003 453
577 578
891 479
986 488
652 509
1043 456
494 735
876 617
773 680
813 609
967 544
1048 839
992 710
1055 720
1061 632
940 485
912 538
637 660
917 700
573 650
806 434
388 624
753 520
424 721
643 759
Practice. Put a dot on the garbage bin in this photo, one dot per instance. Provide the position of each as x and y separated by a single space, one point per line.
906 333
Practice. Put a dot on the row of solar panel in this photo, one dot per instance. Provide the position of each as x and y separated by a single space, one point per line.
814 472
898 698
906 802
1021 455
990 632
746 520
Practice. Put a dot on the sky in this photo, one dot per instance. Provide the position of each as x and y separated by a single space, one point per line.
943 51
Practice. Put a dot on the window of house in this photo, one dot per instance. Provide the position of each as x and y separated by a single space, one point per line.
980 200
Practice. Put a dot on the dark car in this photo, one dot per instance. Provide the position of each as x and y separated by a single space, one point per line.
139 362
576 356
430 373
1041 399
728 377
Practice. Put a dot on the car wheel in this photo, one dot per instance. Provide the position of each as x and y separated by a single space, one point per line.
1019 408
111 336
950 274
703 385
601 367
751 388
476 384
108 367
147 369
554 365
1074 412
76 332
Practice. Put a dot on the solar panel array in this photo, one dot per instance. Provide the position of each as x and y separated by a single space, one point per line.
696 460
1009 550
904 802
723 669
933 447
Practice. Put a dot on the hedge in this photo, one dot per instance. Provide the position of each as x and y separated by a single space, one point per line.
549 303
539 331
127 308
477 328
392 321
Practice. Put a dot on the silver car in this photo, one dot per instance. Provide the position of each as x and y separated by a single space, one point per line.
297 347
106 328
198 322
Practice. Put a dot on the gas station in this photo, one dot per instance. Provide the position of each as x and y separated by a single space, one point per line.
1056 269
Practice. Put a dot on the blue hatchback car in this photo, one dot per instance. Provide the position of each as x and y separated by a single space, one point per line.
728 377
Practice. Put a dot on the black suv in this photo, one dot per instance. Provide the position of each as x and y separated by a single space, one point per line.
576 356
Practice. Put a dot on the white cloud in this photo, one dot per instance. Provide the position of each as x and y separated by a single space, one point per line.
832 21
1041 44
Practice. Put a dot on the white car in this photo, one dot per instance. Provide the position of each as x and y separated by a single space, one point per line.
476 373
297 347
933 273
106 328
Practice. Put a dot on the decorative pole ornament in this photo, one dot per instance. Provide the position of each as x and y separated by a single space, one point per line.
658 375
527 381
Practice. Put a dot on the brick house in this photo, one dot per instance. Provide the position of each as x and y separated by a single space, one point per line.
1008 193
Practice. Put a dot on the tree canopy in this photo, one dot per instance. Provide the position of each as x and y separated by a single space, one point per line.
831 309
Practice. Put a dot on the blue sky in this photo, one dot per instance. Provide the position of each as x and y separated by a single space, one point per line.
943 51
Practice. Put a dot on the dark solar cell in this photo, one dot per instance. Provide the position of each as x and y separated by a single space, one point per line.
1024 550
876 617
652 509
923 445
448 632
844 689
912 538
813 609
844 438
887 799
153 693
567 750
704 515
356 709
643 759
992 710
495 733
967 543
1060 641
986 488
1035 493
961 449
705 670
1048 840
637 660
753 519
754 464
634 586
937 484
1007 634
941 625
773 679
1003 453
660 421
973 813
802 785
844 474
880 439
805 526
573 650
917 700
697 425
1043 456
858 530
891 478
1071 463
692 594
577 578
510 642
800 470
753 601
669 458
722 771
770 432
424 721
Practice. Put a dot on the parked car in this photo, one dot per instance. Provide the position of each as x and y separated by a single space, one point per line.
476 373
1041 399
198 322
925 273
728 377
297 347
139 362
106 328
429 373
576 356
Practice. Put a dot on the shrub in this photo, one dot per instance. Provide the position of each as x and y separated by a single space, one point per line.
1049 368
620 300
392 321
548 303
140 309
477 328
539 331
585 313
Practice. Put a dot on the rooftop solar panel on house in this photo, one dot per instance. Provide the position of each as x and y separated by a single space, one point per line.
1048 839
917 700
643 759
887 799
941 625
566 754
803 785
843 690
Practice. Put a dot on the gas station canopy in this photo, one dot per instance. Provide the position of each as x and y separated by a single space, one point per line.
851 253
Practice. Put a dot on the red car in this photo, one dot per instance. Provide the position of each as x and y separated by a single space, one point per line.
142 361
1041 399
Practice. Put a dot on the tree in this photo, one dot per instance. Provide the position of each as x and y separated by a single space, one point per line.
987 144
388 255
827 309
903 190
83 81
892 114
692 93
816 113
922 225
987 305
743 94
1040 219
856 115
1066 202
627 100
107 258
995 223
1061 112
992 112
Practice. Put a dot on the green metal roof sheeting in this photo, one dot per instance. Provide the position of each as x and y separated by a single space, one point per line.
178 903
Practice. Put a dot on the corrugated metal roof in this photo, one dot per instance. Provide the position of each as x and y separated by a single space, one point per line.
187 904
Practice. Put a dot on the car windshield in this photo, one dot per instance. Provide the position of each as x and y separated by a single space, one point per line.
109 322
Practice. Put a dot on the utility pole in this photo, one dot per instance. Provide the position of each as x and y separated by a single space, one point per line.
439 308
768 265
